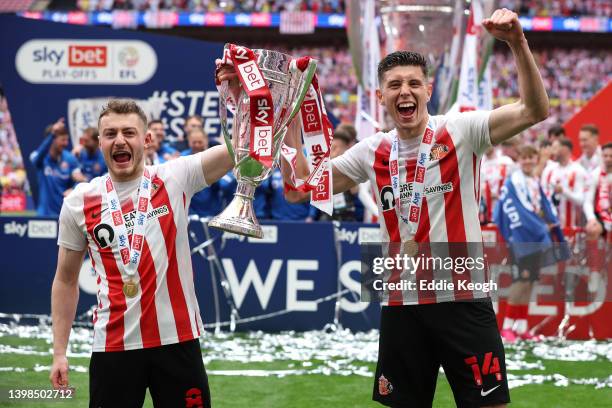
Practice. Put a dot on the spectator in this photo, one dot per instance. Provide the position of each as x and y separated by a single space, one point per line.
525 218
588 138
193 122
555 132
57 170
565 183
89 155
151 156
165 152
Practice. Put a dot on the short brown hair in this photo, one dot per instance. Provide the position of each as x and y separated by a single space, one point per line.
343 134
591 128
528 151
567 143
123 107
91 131
350 129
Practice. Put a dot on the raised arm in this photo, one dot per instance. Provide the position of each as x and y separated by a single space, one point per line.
37 157
532 107
64 299
216 162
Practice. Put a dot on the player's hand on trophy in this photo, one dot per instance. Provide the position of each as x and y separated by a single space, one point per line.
226 72
504 25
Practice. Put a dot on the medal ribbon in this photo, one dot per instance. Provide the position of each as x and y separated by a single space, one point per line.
418 184
130 255
318 134
260 100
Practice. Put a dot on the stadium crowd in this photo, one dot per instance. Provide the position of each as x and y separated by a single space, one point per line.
571 76
224 6
13 180
599 8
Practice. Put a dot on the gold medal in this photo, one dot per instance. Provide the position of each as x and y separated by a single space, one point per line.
411 247
130 288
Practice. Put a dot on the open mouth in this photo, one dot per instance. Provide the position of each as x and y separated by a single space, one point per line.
122 157
406 109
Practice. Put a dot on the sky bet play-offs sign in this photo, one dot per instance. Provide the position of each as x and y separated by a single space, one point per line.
92 62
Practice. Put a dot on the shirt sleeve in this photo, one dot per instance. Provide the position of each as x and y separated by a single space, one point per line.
474 126
188 171
352 162
70 235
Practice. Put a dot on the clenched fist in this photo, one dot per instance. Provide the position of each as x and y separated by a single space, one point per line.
505 26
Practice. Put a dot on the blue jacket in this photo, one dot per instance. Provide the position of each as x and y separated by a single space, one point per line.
525 231
54 177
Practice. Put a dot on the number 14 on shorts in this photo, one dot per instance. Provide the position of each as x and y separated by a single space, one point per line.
490 366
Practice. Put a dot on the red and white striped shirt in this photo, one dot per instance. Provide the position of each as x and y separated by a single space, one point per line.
451 196
165 311
573 180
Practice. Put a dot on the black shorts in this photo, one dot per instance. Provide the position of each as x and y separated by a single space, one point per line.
174 374
527 269
462 337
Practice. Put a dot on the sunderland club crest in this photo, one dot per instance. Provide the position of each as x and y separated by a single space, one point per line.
438 151
384 386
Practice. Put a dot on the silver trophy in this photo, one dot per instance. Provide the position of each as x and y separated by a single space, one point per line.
288 86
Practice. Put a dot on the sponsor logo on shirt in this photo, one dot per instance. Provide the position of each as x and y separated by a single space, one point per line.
406 190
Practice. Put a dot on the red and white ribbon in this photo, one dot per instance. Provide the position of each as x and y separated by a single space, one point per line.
260 101
418 185
130 254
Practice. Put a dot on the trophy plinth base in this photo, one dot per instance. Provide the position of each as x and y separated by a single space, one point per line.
239 216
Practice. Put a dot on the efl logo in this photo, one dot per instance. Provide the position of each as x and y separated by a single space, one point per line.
86 56
310 116
428 136
420 174
125 255
137 244
263 140
109 185
251 75
117 218
414 213
143 203
394 168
